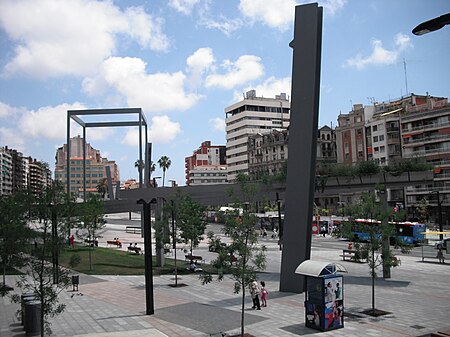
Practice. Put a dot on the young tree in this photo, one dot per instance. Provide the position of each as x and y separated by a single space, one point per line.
164 162
14 232
249 257
191 221
376 250
42 278
90 222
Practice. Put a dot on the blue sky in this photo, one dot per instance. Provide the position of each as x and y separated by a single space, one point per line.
184 61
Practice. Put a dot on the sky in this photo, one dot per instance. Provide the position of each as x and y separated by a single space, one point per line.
184 61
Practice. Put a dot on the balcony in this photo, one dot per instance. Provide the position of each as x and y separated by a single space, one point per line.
410 141
426 127
430 152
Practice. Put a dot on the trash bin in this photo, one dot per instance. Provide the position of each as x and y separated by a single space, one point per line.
32 318
324 297
75 282
26 297
447 245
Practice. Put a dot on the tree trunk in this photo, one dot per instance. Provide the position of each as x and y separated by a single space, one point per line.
373 281
386 257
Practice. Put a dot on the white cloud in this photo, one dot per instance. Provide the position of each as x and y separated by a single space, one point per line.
269 88
245 69
380 55
198 64
218 124
162 130
152 92
10 137
48 122
275 14
6 110
331 7
57 38
183 6
225 25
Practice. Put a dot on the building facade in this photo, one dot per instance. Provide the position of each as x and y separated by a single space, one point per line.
326 146
22 173
350 135
267 153
207 165
248 117
95 167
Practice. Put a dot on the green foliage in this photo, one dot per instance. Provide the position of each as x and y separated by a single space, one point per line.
368 167
190 218
14 232
245 253
75 260
46 280
401 165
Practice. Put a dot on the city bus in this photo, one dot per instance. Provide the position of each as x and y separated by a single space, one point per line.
404 232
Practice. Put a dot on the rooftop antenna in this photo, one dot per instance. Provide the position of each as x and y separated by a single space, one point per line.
406 78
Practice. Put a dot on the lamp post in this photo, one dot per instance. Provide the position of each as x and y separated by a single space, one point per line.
150 310
154 181
174 242
280 223
55 248
432 25
439 203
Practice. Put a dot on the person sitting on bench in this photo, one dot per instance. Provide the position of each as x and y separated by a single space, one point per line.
194 267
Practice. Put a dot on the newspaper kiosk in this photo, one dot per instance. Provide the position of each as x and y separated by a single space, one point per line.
324 297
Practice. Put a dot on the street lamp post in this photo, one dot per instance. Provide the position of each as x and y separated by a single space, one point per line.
439 204
154 181
150 310
174 242
280 223
432 25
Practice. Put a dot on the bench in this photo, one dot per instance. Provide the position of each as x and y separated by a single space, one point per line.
195 258
91 243
347 253
136 250
114 243
133 229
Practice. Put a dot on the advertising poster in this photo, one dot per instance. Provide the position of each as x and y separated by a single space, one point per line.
313 315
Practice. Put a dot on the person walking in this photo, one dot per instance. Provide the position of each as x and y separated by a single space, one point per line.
254 292
263 294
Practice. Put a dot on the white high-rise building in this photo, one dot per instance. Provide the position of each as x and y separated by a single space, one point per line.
250 116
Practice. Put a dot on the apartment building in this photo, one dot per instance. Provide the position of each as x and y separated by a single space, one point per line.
425 133
6 172
207 165
95 167
350 135
267 153
248 117
326 146
22 173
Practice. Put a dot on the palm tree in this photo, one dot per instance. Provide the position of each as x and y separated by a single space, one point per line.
139 164
164 163
102 187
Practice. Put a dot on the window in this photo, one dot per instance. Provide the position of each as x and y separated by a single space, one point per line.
382 149
376 149
375 139
381 138
374 128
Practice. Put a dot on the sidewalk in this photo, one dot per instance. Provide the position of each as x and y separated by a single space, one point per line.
418 297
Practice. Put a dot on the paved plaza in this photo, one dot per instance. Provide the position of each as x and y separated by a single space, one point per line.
417 297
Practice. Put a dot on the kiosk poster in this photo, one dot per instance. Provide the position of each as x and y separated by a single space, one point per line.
334 303
314 315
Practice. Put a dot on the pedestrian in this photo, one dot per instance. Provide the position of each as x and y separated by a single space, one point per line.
440 255
72 241
263 294
254 292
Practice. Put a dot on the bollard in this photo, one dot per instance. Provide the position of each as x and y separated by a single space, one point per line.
26 297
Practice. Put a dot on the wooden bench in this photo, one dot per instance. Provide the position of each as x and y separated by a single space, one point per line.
114 243
195 258
347 253
133 229
136 250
